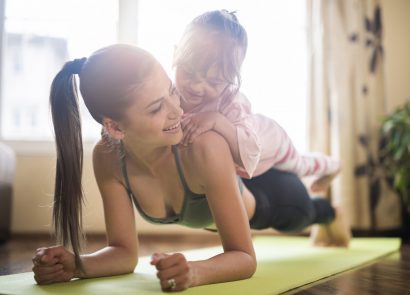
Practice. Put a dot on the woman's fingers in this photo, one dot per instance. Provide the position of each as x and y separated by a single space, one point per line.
48 277
48 256
59 278
156 257
173 272
45 270
53 264
178 282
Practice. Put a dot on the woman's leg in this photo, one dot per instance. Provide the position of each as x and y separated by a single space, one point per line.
283 203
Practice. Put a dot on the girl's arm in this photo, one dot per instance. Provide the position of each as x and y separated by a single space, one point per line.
56 264
213 165
235 122
199 123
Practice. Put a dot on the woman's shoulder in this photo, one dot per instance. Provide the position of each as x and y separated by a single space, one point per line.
207 141
206 161
106 158
208 148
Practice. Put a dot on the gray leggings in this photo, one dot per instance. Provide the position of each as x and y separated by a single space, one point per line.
283 203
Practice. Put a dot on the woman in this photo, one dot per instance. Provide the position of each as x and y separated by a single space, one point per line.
138 161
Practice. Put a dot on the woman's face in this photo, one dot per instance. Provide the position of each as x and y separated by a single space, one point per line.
199 88
155 116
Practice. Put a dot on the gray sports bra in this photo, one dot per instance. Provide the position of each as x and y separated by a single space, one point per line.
195 210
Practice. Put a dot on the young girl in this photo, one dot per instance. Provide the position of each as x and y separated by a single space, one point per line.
208 59
138 161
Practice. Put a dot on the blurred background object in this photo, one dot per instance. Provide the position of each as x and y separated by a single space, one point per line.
7 171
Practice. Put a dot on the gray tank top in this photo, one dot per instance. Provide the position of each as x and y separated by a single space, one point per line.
195 210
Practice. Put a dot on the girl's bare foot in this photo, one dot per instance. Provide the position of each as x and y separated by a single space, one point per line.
337 233
322 183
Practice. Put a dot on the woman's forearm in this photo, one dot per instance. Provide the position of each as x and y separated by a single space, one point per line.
109 261
228 266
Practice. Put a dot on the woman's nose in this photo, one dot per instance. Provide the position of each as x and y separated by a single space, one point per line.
175 106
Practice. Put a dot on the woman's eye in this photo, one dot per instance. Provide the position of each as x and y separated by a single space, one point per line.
173 90
157 109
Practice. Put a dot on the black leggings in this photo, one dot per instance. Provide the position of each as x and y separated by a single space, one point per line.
283 203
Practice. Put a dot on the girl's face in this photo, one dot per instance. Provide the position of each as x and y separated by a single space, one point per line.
199 87
155 116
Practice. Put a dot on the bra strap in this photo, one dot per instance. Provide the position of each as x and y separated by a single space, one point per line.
179 168
124 172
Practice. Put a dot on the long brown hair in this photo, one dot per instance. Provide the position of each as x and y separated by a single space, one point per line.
108 82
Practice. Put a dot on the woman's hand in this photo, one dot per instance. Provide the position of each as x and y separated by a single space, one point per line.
53 265
173 271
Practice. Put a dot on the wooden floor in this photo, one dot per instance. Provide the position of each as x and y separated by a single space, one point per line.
389 275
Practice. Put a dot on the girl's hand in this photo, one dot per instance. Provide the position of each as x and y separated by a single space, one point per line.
197 124
173 271
53 265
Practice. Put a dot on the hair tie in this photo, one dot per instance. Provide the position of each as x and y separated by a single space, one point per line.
77 64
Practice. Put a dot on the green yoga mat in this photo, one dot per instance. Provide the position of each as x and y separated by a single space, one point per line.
284 263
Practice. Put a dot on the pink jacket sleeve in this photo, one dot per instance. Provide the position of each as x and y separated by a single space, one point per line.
238 111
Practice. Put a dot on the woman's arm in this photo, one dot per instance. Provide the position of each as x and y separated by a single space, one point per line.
56 264
213 161
121 253
213 166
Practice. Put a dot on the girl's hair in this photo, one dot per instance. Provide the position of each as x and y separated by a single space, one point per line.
215 37
108 80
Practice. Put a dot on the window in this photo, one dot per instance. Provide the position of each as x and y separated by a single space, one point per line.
39 36
274 74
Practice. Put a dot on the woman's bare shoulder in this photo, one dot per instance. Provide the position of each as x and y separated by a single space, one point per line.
209 143
209 148
208 155
106 158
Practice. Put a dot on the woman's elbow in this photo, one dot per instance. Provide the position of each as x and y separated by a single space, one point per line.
131 265
130 260
251 267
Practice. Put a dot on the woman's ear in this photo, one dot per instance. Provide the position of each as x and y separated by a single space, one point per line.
113 129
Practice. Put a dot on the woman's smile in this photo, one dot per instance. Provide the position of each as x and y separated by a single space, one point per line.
174 128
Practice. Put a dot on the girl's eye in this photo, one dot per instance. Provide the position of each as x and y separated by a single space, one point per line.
189 75
216 83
